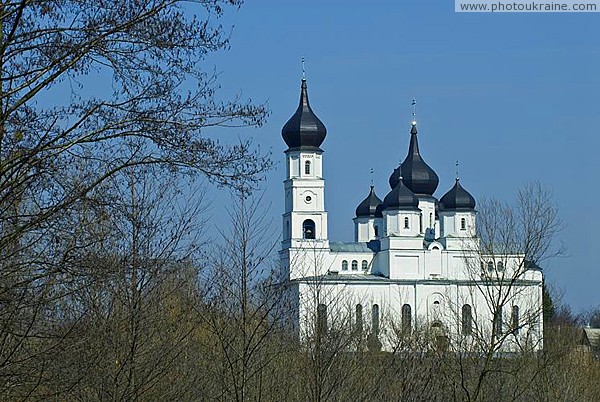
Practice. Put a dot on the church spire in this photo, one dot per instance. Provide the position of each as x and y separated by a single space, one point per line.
415 173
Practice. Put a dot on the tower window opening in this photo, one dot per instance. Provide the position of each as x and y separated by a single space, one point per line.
430 220
307 167
490 266
365 265
354 265
308 229
463 224
406 226
421 223
376 231
344 265
500 266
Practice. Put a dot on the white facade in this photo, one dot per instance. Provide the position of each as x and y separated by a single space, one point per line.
419 268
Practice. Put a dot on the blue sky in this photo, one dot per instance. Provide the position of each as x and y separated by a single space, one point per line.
513 97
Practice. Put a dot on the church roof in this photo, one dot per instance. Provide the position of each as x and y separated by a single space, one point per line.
372 246
368 206
457 198
416 174
401 197
304 130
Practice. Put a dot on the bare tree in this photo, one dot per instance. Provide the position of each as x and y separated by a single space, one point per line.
242 307
89 89
501 311
126 305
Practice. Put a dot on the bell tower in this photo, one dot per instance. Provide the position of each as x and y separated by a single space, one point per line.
304 218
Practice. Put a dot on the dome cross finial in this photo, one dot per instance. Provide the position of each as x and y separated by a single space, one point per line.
457 175
414 111
371 177
303 69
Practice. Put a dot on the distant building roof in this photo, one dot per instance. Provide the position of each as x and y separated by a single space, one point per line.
592 337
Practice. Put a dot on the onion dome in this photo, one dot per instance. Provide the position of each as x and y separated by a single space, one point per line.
368 206
304 130
395 177
457 199
416 174
401 197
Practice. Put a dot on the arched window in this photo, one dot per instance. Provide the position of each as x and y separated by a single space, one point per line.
359 318
421 223
406 319
307 167
375 319
321 320
500 266
308 229
515 320
376 231
463 224
344 265
406 226
430 220
365 265
354 265
490 266
498 322
467 320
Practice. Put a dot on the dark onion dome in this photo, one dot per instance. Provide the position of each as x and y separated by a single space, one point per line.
401 197
416 174
304 130
457 199
368 206
395 177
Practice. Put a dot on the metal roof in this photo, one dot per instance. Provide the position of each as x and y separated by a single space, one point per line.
304 130
368 206
401 197
371 247
415 173
457 198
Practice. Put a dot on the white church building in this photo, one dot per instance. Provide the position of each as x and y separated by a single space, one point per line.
415 265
